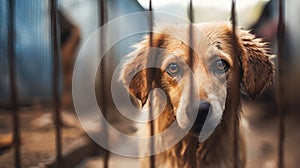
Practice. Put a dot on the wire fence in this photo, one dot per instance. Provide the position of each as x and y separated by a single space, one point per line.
151 73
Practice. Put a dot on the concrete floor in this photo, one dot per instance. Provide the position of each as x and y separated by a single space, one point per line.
261 138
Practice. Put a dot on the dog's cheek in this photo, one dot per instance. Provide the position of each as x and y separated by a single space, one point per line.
217 111
222 94
173 92
159 101
181 116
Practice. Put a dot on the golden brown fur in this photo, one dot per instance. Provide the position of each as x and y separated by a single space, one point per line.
256 74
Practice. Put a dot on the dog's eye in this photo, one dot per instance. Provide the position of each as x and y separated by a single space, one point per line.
221 66
173 69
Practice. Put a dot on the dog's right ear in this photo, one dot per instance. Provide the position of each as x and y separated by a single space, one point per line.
133 74
134 71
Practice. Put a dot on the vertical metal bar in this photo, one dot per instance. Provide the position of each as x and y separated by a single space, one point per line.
191 46
13 84
191 58
102 20
191 42
150 75
55 80
236 86
280 104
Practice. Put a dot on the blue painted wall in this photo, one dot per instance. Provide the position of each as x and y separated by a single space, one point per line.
32 47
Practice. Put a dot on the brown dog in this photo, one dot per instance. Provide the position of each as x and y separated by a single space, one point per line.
207 82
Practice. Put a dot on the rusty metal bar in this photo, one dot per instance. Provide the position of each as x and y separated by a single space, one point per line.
55 80
13 85
280 104
191 58
150 74
191 42
236 86
191 46
102 21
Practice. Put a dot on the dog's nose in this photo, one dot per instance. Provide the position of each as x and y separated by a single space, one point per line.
204 108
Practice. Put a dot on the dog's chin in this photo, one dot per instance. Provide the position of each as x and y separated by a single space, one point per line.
201 135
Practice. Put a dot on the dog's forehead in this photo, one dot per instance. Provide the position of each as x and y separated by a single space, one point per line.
208 38
201 31
216 33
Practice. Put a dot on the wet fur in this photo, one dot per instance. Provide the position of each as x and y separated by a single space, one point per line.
256 73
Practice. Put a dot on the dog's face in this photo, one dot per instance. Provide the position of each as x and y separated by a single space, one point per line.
207 80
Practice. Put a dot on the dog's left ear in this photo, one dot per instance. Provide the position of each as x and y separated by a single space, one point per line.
257 67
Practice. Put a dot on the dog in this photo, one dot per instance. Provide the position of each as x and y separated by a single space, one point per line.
205 77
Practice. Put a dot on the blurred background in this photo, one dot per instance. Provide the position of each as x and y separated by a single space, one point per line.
78 20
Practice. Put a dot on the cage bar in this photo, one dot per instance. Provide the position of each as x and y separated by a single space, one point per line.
191 42
13 85
191 46
150 75
55 80
102 21
236 85
280 103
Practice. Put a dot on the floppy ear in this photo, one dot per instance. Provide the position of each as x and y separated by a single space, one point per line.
257 67
134 71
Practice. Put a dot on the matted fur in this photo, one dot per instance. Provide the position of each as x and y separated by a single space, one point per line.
257 73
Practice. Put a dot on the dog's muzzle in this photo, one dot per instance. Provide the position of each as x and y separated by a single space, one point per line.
204 108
